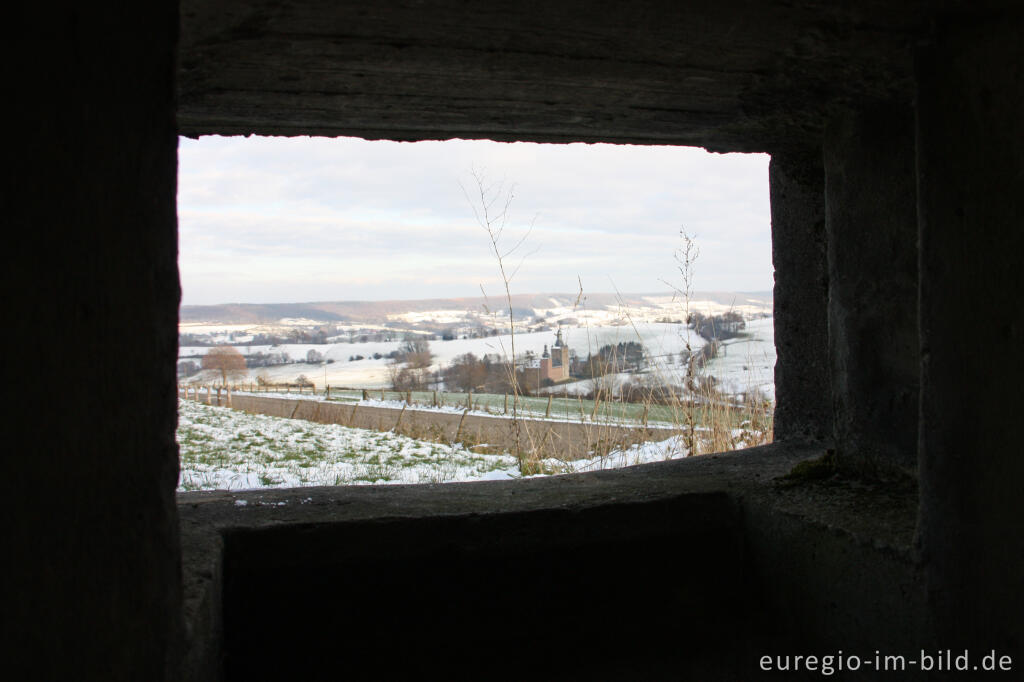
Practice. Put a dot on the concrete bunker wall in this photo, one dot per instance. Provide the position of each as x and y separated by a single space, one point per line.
894 130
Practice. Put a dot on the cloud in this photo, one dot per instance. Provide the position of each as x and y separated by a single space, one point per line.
294 219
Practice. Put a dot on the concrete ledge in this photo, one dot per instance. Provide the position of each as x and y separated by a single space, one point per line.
704 556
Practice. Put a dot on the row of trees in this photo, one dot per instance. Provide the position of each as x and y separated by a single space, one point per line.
231 364
609 359
317 336
717 327
492 374
410 364
468 372
260 359
410 367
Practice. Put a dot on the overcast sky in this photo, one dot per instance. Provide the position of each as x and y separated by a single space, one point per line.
278 220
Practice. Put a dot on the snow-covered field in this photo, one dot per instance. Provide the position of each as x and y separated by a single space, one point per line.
745 363
742 366
224 449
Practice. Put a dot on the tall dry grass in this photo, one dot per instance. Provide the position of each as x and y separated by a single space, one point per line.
705 419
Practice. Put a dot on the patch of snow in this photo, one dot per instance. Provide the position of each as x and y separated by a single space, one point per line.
223 449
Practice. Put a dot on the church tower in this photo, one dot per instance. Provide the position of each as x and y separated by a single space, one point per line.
554 364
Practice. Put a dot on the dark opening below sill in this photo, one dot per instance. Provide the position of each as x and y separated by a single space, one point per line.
692 565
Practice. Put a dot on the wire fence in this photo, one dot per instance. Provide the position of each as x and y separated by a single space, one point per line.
567 407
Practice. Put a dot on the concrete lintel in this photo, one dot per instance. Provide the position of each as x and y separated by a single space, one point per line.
730 75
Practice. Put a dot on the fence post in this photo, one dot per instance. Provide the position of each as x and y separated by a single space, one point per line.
366 396
382 395
547 412
408 397
399 422
469 400
506 403
458 431
435 397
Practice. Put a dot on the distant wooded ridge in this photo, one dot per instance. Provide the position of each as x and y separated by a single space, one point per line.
369 311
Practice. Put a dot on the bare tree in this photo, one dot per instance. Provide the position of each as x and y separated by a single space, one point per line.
226 360
414 351
187 368
491 204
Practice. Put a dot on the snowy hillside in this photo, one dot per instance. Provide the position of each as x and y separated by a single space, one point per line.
587 323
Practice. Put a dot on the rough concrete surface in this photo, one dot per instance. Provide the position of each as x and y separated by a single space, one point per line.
739 547
874 346
971 209
803 383
91 583
731 75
